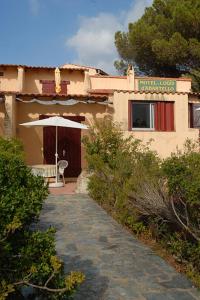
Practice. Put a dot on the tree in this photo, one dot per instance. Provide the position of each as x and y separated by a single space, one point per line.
165 41
27 256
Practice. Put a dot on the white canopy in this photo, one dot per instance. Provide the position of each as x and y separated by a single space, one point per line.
57 122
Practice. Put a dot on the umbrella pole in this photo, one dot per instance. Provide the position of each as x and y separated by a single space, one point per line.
56 184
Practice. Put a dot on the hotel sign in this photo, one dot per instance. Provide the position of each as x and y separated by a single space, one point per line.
157 85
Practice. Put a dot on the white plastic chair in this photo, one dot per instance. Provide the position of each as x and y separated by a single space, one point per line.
62 165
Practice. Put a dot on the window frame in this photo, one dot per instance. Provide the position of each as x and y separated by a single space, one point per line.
151 116
164 116
191 115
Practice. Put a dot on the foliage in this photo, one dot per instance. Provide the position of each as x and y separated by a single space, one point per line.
156 199
165 41
27 256
12 147
182 173
116 161
195 76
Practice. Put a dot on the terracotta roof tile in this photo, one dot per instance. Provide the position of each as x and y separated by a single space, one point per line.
164 78
151 92
101 91
68 96
108 76
195 93
84 67
42 67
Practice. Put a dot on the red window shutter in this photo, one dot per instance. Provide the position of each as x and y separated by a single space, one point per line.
48 86
130 107
157 116
160 116
63 87
169 126
164 116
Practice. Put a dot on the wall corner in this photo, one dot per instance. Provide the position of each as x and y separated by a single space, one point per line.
20 78
131 78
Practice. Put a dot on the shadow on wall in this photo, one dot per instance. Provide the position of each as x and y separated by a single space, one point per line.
2 116
33 137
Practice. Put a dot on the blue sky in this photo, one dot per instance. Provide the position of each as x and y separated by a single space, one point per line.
54 32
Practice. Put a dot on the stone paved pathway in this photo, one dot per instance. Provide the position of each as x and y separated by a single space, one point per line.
117 266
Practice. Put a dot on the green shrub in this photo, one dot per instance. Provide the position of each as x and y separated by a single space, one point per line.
27 257
12 147
182 173
160 199
117 164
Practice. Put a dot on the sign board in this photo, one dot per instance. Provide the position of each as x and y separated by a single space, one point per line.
157 85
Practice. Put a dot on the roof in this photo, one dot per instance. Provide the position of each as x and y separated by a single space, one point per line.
101 91
194 93
76 66
43 67
165 78
108 76
152 92
97 98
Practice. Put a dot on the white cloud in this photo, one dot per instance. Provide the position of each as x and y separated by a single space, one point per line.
136 10
94 40
34 6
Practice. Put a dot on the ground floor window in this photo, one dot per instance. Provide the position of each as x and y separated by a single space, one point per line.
194 115
143 115
158 116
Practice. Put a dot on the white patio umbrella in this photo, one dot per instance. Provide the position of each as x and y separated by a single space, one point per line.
56 122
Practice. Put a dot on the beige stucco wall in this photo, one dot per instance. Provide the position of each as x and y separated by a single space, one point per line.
76 79
9 81
109 82
163 142
131 83
33 137
33 76
32 79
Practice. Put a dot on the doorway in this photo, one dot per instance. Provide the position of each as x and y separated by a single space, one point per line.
69 146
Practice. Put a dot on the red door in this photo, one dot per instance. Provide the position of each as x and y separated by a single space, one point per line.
69 146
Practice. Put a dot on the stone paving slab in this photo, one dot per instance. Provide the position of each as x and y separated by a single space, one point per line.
117 266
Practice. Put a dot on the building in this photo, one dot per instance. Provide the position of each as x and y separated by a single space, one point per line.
161 109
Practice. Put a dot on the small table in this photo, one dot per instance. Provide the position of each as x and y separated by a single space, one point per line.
44 170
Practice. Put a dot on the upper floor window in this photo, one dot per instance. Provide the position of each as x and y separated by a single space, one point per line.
49 87
158 116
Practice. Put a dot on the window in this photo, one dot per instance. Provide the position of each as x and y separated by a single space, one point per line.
143 115
158 116
194 115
